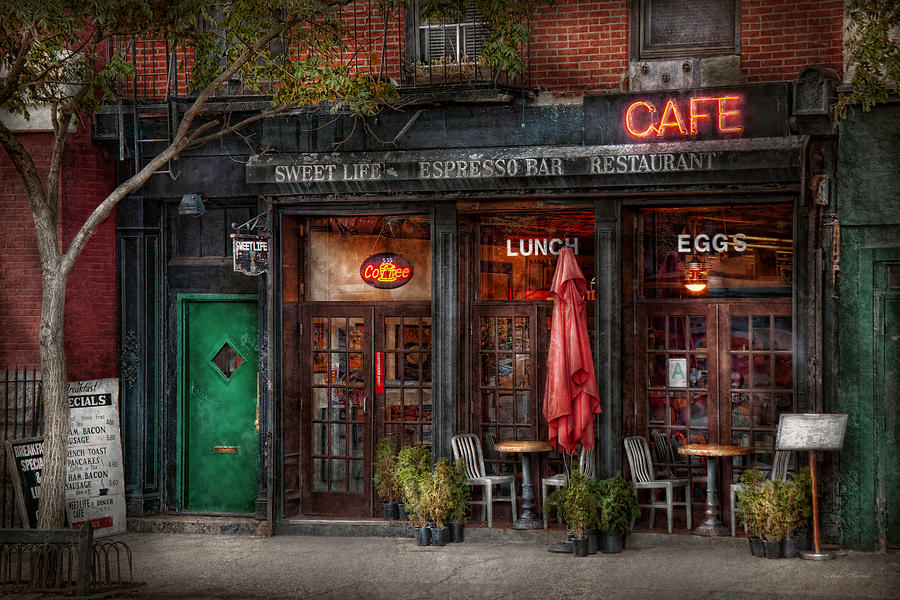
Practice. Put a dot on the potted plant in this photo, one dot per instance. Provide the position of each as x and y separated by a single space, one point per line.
385 478
413 468
460 492
796 498
774 516
436 497
749 507
617 508
579 505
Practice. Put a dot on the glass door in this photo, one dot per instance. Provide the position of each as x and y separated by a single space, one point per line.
403 344
338 419
712 372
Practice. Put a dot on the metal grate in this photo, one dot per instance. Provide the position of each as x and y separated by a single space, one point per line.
21 396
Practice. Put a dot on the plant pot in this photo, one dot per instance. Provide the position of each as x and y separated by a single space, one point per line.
390 510
805 539
439 536
593 538
611 542
580 546
773 549
457 532
790 546
423 536
757 548
401 511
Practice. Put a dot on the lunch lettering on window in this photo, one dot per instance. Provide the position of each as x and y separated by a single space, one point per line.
519 252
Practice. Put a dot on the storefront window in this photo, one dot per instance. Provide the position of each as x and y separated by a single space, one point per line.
716 251
519 252
370 258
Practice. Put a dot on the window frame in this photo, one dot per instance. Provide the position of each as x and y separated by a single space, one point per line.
642 51
415 25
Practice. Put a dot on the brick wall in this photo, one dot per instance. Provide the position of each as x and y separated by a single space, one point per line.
20 270
779 38
582 46
90 326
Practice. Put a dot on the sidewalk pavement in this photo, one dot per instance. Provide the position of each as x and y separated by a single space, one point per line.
492 564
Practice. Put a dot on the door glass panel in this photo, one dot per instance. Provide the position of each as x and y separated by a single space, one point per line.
759 380
338 439
407 394
357 440
740 333
522 335
676 333
505 356
761 333
320 474
656 336
699 410
357 477
338 334
320 333
338 475
762 370
783 334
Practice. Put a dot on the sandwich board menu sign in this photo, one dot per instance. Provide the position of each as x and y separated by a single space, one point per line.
95 486
25 458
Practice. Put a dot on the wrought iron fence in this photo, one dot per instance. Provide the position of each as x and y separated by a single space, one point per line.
21 395
397 46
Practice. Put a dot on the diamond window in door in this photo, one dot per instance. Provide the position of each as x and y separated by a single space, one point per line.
227 360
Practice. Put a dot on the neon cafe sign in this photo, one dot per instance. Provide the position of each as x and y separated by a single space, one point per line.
386 270
722 114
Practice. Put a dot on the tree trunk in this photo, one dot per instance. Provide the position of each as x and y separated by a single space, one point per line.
51 513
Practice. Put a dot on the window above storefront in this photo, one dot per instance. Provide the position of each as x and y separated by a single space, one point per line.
519 252
678 28
742 251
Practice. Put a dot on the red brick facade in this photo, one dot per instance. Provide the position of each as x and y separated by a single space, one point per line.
579 46
90 326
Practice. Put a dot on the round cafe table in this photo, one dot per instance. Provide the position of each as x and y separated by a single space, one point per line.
528 518
712 526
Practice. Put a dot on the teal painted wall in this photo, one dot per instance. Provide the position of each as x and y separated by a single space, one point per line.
868 197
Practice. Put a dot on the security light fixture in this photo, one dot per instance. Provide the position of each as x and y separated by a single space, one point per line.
191 205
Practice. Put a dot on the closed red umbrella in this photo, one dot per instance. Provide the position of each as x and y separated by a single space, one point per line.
571 398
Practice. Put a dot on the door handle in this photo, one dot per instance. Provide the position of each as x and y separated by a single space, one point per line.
365 405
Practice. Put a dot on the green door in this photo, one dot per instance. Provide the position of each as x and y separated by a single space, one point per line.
889 383
220 441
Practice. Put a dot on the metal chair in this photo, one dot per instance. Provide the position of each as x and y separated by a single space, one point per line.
587 466
638 452
666 455
467 447
779 473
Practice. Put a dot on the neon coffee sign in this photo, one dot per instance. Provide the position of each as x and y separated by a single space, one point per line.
386 270
682 118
